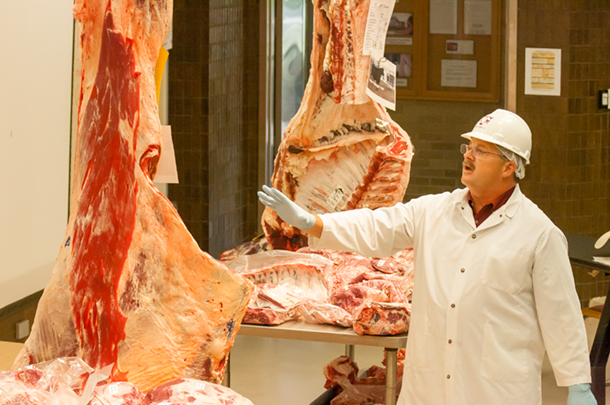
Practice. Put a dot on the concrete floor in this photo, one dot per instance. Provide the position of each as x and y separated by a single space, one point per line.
279 372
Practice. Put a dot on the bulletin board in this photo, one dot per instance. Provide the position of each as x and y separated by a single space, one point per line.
446 49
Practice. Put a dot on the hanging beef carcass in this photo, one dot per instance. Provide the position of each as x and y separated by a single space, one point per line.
341 150
130 286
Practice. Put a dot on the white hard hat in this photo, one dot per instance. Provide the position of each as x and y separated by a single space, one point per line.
506 129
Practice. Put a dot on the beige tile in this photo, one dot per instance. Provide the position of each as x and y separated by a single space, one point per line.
8 352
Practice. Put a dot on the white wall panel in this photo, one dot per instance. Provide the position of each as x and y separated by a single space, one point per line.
36 39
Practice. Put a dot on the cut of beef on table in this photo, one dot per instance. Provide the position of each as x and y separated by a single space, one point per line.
187 392
327 287
130 286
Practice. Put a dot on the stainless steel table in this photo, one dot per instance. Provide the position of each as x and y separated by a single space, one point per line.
335 334
581 252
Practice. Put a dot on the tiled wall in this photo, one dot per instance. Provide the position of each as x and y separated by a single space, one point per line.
188 104
569 176
435 128
213 113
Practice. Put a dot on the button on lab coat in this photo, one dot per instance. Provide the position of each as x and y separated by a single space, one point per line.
487 301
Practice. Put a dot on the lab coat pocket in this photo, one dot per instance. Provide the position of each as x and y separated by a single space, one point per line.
507 270
504 358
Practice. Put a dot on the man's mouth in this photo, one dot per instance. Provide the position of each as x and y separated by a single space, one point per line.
468 166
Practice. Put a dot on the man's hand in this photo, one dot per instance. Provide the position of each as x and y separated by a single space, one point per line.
580 394
286 209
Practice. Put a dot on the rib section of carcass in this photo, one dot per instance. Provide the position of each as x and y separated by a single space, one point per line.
341 150
130 286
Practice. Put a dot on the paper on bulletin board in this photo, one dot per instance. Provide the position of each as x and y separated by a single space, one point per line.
543 71
381 84
458 73
167 171
477 17
400 30
443 16
378 20
459 47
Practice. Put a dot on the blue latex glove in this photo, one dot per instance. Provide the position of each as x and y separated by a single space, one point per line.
580 394
286 208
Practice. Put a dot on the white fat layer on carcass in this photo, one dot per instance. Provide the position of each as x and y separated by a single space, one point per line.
303 279
338 176
274 257
349 138
276 297
302 273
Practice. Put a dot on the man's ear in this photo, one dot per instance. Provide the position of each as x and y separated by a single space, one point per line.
509 169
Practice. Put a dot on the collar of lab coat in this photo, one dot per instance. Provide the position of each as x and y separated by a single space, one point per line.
509 209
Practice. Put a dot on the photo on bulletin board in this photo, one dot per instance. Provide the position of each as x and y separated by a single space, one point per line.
404 66
381 85
400 30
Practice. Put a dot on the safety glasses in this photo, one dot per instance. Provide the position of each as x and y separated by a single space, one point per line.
476 151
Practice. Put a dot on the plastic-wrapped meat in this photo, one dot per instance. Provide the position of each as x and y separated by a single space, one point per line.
271 304
352 297
341 150
295 286
306 279
336 256
342 366
117 393
356 390
188 392
401 263
382 318
348 267
19 387
65 381
17 393
256 245
312 311
130 286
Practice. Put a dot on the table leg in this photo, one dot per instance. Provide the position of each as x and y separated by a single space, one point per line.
391 364
350 351
226 381
599 354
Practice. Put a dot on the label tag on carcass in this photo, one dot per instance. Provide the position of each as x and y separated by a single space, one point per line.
200 385
381 85
167 171
113 389
377 22
335 197
380 262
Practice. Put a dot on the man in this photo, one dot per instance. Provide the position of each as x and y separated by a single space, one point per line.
493 284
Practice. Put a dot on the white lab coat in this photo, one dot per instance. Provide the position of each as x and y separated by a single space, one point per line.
487 301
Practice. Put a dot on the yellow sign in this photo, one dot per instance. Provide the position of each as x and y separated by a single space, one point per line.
160 66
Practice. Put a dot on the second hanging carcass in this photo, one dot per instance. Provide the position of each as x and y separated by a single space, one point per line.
341 150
